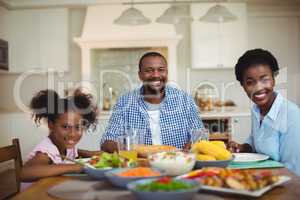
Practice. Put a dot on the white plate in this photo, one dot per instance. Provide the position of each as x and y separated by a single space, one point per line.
96 173
256 193
249 157
83 160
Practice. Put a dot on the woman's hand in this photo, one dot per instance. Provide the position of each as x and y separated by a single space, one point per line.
235 147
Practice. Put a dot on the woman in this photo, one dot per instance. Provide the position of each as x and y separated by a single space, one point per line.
275 120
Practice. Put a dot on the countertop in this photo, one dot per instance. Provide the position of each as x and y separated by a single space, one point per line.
222 112
225 112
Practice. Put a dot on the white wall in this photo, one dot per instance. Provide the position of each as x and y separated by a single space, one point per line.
34 83
3 21
281 36
13 122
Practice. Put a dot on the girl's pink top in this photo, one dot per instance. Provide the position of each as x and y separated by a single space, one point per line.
46 146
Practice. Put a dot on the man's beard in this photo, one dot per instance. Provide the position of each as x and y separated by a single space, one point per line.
152 92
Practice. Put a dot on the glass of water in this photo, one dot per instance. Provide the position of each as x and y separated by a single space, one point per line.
199 134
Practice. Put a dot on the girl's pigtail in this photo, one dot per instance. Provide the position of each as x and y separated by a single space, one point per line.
44 106
85 104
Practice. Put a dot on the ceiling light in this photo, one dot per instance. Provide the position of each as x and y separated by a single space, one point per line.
218 14
132 17
174 15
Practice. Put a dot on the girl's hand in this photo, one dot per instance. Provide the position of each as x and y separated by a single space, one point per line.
78 168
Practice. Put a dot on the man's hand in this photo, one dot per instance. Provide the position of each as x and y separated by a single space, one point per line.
187 147
109 146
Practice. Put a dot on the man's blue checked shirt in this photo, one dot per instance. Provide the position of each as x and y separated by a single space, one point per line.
178 116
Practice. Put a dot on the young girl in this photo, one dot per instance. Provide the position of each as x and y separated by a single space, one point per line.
67 119
275 120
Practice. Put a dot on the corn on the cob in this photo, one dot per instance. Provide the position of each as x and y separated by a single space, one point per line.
204 157
207 148
219 143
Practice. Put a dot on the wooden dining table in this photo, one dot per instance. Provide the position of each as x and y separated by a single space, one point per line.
39 190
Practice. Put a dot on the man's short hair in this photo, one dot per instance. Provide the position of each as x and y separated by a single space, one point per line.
151 54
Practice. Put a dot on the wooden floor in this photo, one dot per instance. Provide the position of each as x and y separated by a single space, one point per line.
7 183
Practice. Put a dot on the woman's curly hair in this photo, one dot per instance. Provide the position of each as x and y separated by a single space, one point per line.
255 57
47 104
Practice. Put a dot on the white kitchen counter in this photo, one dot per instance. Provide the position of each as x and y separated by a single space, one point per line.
223 112
226 112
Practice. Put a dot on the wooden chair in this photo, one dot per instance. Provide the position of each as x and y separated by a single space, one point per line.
13 152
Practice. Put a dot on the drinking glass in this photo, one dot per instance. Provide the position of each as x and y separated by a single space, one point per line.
199 134
126 144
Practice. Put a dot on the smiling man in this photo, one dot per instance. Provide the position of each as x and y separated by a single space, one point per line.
160 114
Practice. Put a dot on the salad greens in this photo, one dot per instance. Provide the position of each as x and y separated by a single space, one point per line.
164 184
113 160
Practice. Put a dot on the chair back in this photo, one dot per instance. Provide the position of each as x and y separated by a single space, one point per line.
13 152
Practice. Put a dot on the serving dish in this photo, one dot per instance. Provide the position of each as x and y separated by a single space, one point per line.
115 179
183 194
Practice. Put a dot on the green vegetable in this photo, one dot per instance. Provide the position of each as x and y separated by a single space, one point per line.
111 160
158 186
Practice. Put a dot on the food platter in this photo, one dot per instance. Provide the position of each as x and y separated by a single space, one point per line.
252 183
256 193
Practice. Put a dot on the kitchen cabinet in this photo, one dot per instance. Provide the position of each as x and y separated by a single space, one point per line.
227 123
38 39
241 128
218 45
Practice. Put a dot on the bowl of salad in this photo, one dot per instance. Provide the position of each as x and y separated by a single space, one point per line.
164 188
98 165
121 177
173 163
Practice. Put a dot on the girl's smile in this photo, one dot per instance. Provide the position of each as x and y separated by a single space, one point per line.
67 130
